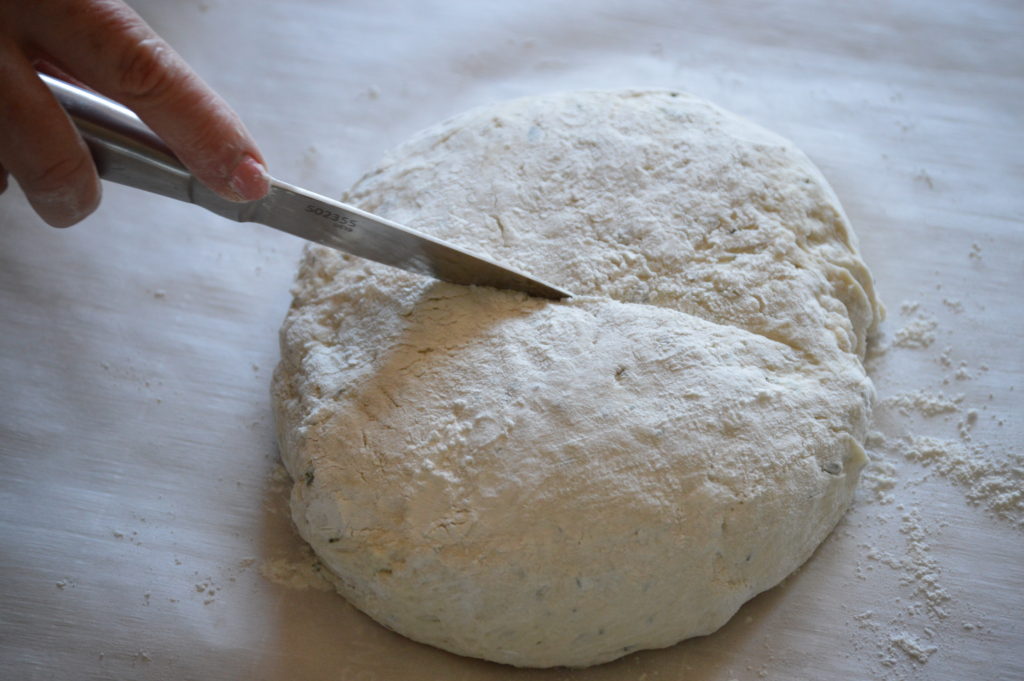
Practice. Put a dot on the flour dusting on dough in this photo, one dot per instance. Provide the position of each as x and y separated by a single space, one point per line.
544 483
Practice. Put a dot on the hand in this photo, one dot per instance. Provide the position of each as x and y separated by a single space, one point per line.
106 46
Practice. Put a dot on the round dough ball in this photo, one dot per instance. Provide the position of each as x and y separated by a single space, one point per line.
560 483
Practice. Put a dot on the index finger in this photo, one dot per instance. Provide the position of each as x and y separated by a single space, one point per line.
106 45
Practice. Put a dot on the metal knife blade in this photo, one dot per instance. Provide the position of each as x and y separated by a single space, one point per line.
347 228
126 151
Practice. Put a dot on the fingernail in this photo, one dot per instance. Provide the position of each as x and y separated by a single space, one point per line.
63 208
250 180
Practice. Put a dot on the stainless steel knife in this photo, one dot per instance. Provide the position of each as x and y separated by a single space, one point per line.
126 151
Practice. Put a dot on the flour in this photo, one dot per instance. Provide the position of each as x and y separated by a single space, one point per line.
526 481
962 372
880 477
918 333
998 485
296 573
906 636
990 477
925 435
918 564
925 403
912 647
953 304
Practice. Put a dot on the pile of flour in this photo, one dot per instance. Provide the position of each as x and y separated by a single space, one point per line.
543 483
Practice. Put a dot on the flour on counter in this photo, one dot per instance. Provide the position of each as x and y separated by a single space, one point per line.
953 304
962 372
994 482
880 476
924 434
912 647
918 333
924 402
302 573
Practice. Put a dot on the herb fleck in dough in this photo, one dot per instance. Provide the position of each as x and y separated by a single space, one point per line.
547 484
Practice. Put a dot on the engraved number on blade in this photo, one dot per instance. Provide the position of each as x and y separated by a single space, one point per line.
342 221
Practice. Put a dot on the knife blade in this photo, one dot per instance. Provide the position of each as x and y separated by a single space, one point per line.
126 151
347 228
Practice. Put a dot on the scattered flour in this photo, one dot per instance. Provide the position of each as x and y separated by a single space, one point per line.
924 434
296 574
918 333
924 403
953 304
918 565
998 485
880 476
991 479
913 647
296 567
909 307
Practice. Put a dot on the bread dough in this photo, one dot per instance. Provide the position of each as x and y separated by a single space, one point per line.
543 483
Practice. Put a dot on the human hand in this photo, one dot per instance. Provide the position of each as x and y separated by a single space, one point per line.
106 46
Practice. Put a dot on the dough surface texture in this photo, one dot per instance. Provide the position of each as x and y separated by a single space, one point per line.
545 484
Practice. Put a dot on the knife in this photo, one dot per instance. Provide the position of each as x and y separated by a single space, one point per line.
126 151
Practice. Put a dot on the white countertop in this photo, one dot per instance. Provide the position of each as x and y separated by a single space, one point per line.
139 505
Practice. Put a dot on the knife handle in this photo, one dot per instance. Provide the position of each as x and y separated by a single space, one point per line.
127 152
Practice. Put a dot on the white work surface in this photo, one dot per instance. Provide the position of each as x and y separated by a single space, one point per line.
139 510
